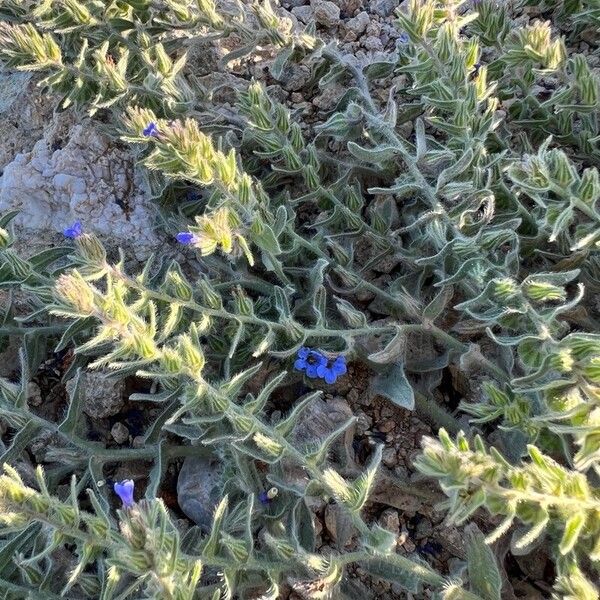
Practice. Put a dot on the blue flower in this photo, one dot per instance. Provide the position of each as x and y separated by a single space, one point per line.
403 38
331 373
301 361
309 361
185 237
315 364
266 496
74 231
124 489
151 130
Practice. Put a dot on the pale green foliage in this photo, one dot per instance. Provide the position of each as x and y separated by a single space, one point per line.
484 211
549 499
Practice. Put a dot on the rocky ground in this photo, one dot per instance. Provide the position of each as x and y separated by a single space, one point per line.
56 170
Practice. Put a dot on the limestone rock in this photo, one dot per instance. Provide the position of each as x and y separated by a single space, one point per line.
90 179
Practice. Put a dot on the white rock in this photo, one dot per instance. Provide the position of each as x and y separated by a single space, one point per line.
90 180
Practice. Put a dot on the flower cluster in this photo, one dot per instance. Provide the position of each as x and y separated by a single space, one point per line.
315 364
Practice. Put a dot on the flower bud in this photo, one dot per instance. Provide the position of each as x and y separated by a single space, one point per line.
191 355
90 249
179 285
4 238
505 289
542 291
74 291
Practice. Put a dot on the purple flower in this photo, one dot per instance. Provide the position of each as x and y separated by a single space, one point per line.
74 231
185 237
124 489
331 373
151 130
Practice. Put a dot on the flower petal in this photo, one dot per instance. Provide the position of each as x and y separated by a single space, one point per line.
330 377
300 364
339 365
303 352
311 371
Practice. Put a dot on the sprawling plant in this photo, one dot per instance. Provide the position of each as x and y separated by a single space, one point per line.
460 213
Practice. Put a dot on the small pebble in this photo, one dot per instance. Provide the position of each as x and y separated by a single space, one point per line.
119 433
34 394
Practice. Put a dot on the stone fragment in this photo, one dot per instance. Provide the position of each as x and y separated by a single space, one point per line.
390 520
389 457
34 394
199 488
119 433
338 524
304 14
104 396
90 179
383 8
359 23
326 13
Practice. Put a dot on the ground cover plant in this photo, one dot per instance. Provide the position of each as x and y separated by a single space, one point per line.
438 222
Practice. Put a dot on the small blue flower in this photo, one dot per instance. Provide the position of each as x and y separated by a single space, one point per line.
74 231
266 496
151 130
331 373
185 237
403 38
124 489
315 364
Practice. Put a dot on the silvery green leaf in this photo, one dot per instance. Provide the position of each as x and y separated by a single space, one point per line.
561 223
354 318
573 529
453 171
280 62
394 385
400 190
524 540
405 578
421 140
393 349
265 238
378 70
439 303
484 576
390 116
376 155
